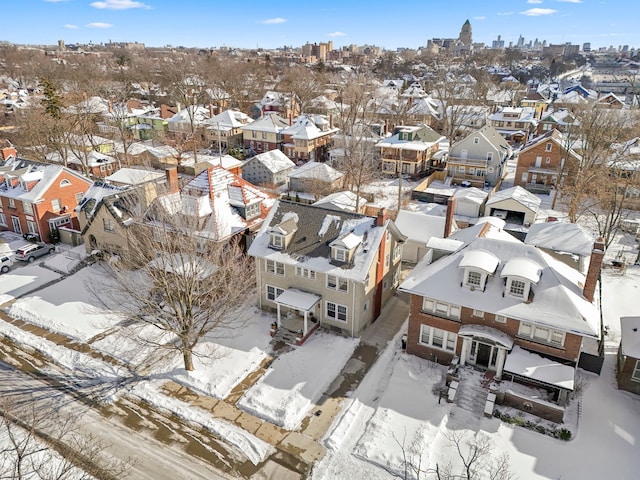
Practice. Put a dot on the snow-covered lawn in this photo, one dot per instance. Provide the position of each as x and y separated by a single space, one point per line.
67 307
21 280
286 392
395 405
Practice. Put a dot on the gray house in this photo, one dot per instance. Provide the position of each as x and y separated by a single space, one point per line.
268 168
478 158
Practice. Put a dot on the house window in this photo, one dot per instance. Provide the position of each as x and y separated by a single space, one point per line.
12 203
340 254
636 372
440 309
336 311
474 279
478 313
276 241
276 268
396 277
55 205
437 338
525 329
517 288
264 135
64 182
79 197
108 225
525 176
387 260
548 147
337 283
541 334
547 160
397 250
32 227
305 273
27 207
501 319
489 156
273 292
3 221
476 140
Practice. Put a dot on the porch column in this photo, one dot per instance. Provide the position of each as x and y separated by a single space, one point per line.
502 353
279 322
465 350
304 331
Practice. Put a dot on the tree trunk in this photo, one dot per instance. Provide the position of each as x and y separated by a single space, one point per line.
187 356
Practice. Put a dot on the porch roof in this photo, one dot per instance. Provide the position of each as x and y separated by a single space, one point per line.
530 365
297 299
487 332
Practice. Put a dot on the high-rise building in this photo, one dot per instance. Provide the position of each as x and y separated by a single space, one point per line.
586 47
498 44
465 34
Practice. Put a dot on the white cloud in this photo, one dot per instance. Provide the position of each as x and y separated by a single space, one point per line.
70 26
273 21
99 25
337 34
481 17
119 5
534 1
536 12
505 13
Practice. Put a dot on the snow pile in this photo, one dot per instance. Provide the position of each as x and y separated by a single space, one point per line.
22 280
297 379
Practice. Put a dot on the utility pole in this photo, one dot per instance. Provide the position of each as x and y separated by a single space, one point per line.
400 181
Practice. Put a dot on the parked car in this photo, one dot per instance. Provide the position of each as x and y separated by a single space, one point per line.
31 251
5 262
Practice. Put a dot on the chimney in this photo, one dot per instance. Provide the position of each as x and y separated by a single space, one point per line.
211 111
172 179
448 222
290 119
331 121
595 264
7 152
382 217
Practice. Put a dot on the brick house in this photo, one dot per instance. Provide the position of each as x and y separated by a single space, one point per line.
39 198
410 150
628 365
501 305
543 161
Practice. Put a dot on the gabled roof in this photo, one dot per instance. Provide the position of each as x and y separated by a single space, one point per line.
423 137
227 120
305 127
558 301
316 229
274 160
552 135
316 171
340 201
420 227
48 176
122 203
561 237
272 123
487 134
519 194
134 176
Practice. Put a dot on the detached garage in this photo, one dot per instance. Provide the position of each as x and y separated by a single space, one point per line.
514 205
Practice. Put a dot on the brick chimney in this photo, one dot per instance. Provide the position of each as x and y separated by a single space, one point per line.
448 222
382 217
595 264
172 179
331 121
7 152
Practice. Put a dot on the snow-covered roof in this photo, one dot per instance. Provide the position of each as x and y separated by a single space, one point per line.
531 365
272 123
444 244
558 300
50 173
340 201
227 120
420 227
561 237
134 176
479 259
297 299
630 336
316 171
487 227
470 195
316 229
522 267
487 332
519 194
274 160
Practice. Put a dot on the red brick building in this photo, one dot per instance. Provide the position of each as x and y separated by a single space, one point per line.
39 198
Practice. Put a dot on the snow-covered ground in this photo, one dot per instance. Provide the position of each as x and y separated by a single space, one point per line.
396 405
298 378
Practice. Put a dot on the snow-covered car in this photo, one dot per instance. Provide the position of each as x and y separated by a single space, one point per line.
5 263
31 251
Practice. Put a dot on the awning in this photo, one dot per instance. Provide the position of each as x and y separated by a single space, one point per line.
293 298
536 367
486 332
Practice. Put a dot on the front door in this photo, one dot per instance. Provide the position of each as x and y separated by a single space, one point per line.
483 355
16 225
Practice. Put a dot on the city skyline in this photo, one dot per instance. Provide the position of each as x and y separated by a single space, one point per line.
201 23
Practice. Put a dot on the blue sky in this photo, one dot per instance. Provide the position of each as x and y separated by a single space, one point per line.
250 23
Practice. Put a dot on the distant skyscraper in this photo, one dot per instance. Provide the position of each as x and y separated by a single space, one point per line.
586 47
498 44
521 42
465 33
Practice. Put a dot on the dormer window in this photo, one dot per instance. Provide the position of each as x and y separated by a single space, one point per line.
339 254
478 265
517 288
252 210
474 279
276 241
520 274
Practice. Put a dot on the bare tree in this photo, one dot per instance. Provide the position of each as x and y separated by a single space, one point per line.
173 278
43 443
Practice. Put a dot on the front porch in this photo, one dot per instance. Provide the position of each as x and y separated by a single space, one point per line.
295 321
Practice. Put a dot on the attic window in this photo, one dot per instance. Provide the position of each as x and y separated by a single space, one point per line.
276 241
476 140
517 288
64 182
474 279
548 147
339 254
